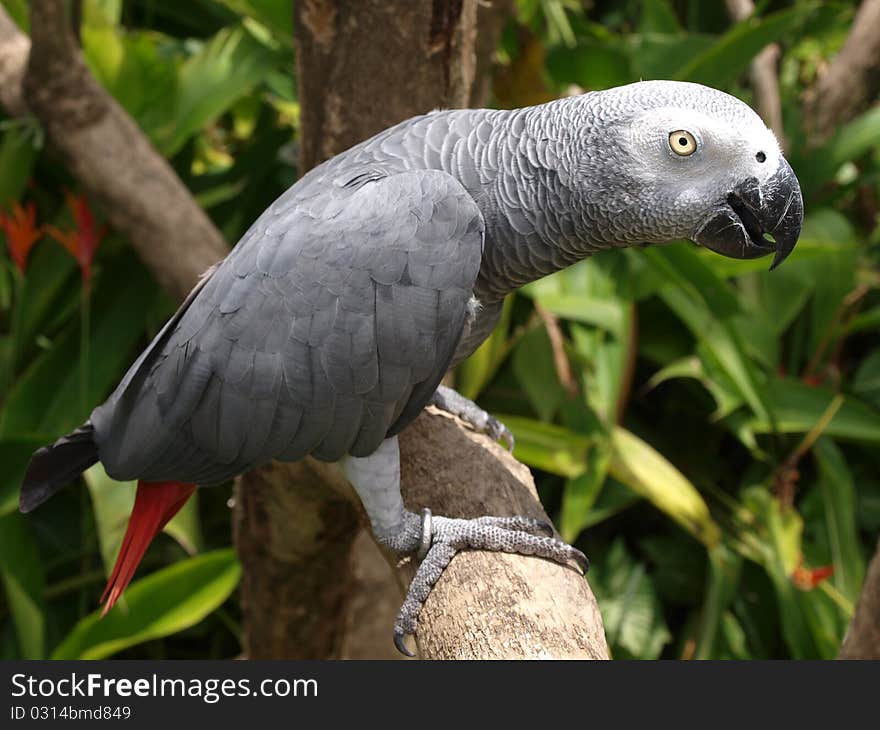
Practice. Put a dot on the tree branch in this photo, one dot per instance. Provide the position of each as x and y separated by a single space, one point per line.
492 605
14 49
862 640
763 75
486 605
113 160
852 79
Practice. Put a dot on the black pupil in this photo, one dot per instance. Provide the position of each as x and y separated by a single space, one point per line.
760 157
682 141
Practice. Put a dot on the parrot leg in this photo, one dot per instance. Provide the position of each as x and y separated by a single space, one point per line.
451 401
436 540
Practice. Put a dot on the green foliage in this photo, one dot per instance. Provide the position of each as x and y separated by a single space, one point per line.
211 90
705 385
163 603
712 445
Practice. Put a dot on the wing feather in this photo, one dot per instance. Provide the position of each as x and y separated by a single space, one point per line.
326 329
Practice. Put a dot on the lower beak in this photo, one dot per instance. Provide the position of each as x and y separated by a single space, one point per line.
756 219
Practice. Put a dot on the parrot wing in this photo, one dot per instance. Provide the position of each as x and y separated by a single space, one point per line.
325 330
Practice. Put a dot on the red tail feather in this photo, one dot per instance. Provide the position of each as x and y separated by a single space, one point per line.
154 504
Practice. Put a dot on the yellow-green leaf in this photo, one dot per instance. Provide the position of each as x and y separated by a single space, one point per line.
644 470
163 603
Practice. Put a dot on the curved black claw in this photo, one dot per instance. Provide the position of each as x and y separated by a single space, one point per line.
582 560
446 399
499 432
547 528
400 643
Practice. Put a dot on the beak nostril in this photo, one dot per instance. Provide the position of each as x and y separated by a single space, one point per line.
761 157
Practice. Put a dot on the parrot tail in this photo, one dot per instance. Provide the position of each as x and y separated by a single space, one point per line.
154 504
53 467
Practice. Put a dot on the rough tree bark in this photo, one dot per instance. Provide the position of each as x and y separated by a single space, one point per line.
14 49
862 640
852 79
350 87
763 74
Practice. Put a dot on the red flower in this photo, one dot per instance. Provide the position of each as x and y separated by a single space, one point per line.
83 239
808 578
22 232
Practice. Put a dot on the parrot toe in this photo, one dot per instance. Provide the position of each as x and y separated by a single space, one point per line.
517 535
451 401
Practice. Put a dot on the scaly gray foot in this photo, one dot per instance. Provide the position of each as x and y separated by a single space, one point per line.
443 537
451 401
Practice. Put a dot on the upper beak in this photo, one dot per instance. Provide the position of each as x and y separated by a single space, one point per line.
757 219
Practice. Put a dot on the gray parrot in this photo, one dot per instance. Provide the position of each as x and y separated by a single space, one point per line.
329 326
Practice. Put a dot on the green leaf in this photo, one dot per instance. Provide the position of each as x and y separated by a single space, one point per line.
45 399
613 499
24 583
589 65
548 447
682 267
705 304
731 55
658 16
136 70
18 153
607 364
532 362
780 538
722 582
15 453
102 12
580 493
277 15
475 373
605 313
18 11
650 475
112 504
839 499
586 292
799 406
226 68
163 603
632 613
866 382
659 56
858 137
727 400
49 291
867 320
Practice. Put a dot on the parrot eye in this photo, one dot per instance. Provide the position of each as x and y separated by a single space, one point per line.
682 143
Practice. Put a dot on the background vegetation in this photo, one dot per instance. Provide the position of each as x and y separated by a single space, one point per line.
705 430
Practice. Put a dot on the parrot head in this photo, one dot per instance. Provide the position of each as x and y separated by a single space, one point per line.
705 166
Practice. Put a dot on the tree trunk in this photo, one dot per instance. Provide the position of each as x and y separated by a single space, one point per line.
361 67
850 82
862 640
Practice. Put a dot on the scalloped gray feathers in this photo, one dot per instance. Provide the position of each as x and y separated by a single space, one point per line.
325 330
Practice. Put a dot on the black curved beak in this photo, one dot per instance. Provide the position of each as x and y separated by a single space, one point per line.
756 220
